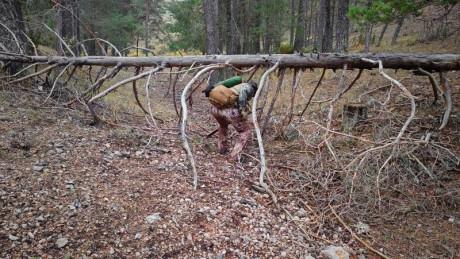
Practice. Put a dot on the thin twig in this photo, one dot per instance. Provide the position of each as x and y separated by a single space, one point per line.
354 81
312 94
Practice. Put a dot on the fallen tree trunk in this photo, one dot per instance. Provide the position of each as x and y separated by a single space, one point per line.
407 61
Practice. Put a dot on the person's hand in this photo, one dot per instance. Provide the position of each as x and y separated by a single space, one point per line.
207 90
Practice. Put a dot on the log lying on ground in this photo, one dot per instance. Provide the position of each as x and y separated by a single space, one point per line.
407 61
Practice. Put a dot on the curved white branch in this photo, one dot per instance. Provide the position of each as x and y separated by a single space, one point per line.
148 100
14 37
447 95
115 86
263 163
31 42
184 118
105 41
60 39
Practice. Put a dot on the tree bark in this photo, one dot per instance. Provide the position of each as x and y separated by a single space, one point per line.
384 29
292 27
397 29
64 22
367 38
211 15
255 35
231 20
342 27
407 61
268 37
327 38
320 27
147 23
300 29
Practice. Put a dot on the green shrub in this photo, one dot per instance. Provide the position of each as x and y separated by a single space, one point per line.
285 48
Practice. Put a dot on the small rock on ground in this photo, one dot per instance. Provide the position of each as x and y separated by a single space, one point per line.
335 252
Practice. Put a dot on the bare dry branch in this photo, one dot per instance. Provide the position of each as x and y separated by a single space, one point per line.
263 166
312 94
115 86
56 81
340 91
99 82
105 41
14 37
31 42
434 84
80 21
448 97
60 39
150 112
295 84
184 118
270 109
49 68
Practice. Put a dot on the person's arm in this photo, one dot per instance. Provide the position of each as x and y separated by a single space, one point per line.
246 93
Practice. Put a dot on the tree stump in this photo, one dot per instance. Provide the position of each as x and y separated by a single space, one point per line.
353 113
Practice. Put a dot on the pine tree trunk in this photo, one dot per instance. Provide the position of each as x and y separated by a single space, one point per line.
256 25
333 21
320 27
397 29
367 40
300 30
267 40
368 31
311 28
245 21
147 23
292 27
211 15
64 23
384 29
342 27
328 34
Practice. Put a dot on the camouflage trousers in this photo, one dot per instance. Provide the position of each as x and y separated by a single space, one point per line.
231 116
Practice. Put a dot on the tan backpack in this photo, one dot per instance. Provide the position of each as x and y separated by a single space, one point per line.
223 97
